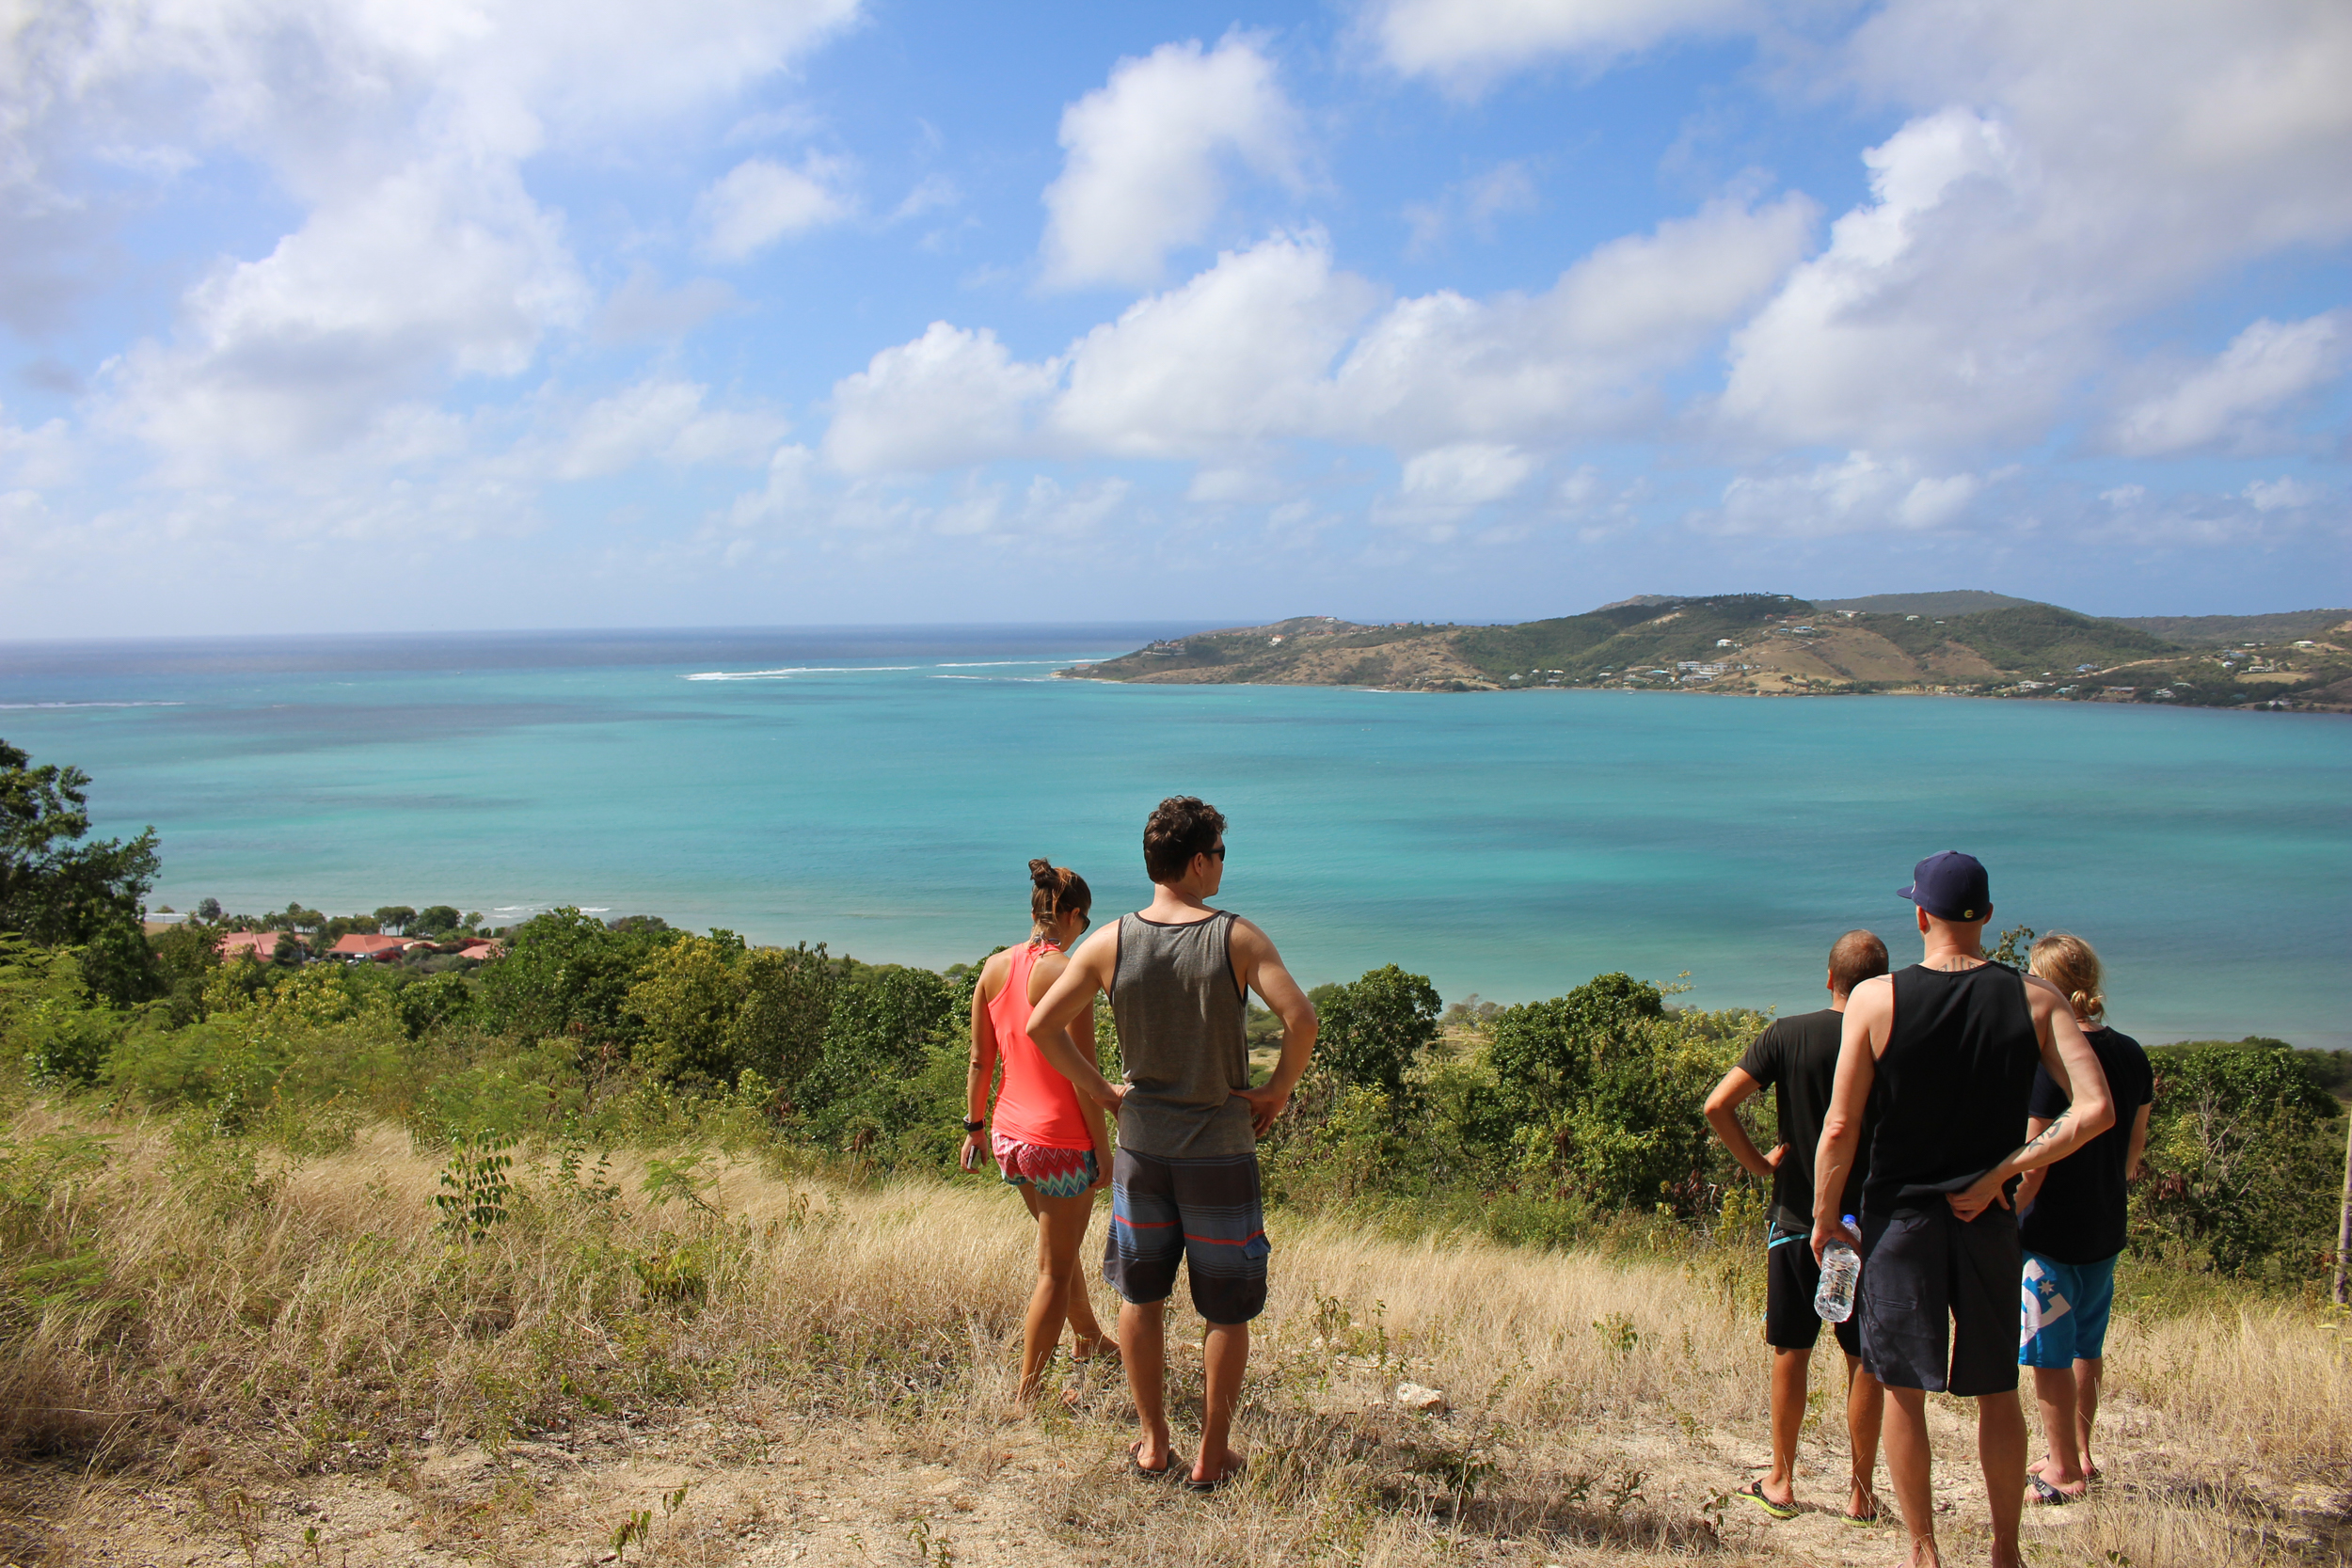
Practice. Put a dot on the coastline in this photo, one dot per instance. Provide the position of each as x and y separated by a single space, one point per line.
1770 646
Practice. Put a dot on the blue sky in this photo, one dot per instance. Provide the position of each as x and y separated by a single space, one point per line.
471 313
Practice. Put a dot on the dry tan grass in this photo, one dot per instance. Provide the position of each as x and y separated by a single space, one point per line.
837 1382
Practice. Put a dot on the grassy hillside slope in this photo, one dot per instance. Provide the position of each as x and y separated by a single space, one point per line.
1771 644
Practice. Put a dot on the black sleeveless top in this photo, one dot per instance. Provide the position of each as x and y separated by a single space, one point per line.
1948 1103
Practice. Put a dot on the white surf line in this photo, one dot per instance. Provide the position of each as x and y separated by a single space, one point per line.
28 706
797 670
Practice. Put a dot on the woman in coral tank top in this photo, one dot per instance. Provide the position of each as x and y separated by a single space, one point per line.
1056 1151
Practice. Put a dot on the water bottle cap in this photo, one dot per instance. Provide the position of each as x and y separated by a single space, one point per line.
1849 1219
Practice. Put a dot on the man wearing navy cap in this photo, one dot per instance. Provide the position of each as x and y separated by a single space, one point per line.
1942 1055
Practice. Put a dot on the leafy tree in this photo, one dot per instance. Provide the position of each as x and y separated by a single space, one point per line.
1603 1088
185 958
2244 1154
394 919
438 920
878 1081
59 890
207 909
1372 1030
567 973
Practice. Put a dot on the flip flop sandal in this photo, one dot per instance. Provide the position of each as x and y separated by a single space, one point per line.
1753 1492
1136 1468
2048 1496
1234 1474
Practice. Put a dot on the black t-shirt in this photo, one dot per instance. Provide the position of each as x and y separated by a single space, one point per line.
1797 1058
2078 1215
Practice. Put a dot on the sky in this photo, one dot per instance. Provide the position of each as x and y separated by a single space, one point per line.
327 315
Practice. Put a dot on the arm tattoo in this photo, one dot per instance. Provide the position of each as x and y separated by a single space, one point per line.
2047 1135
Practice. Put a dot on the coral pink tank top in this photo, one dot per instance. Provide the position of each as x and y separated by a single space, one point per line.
1035 1104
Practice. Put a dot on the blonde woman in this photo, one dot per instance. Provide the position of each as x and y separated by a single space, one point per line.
2073 1227
1056 1151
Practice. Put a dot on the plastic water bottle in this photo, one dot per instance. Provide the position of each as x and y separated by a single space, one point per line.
1841 1271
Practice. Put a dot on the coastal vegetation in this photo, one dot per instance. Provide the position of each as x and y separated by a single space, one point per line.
1772 644
638 1232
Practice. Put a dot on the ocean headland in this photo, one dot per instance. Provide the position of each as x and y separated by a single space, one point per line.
1955 643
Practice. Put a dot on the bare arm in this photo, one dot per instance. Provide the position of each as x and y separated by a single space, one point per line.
1869 1018
1259 968
1722 1115
985 1050
2135 1159
1069 998
2088 1111
2030 1188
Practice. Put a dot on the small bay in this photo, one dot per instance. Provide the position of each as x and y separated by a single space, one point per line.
881 789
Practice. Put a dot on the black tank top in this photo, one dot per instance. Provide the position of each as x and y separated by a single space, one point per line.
1948 1103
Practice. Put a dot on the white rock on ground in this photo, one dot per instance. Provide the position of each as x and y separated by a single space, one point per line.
1412 1396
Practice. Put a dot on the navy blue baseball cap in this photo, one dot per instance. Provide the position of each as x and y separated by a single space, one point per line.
1951 886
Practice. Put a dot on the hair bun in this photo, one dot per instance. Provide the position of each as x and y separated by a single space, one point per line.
1041 873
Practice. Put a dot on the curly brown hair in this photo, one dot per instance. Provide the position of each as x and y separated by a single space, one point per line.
1183 826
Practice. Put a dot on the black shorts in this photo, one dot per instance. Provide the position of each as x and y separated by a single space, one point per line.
1202 1213
1939 1300
1791 1275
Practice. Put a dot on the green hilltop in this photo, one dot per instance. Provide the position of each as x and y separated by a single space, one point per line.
1961 642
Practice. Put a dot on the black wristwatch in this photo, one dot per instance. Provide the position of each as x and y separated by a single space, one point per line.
973 1126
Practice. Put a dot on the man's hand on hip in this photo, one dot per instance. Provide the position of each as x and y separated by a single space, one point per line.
1265 1105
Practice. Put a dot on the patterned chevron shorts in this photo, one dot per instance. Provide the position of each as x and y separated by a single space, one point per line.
1054 1172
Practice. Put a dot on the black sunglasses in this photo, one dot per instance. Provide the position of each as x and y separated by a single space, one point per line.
1218 851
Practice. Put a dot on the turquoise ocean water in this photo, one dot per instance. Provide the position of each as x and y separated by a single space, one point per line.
882 790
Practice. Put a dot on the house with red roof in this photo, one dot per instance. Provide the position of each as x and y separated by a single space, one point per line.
358 946
261 947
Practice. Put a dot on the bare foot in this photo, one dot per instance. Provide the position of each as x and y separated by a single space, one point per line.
1862 1503
1151 1456
1088 1346
1208 1474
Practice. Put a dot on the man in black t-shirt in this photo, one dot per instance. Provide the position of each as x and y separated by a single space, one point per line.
1939 1059
1797 1058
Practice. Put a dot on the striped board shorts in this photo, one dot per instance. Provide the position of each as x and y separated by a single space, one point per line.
1054 1172
1204 1212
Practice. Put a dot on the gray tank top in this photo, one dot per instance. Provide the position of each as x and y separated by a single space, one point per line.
1180 1022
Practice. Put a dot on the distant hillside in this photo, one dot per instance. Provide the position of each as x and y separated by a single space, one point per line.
2220 631
1762 644
1957 601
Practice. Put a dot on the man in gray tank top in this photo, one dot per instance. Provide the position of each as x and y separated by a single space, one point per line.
1185 1180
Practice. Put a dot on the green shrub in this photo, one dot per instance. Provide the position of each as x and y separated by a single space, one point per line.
2245 1151
1604 1088
1376 1028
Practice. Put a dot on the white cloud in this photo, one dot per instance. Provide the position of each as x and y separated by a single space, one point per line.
37 458
1860 493
1475 203
640 308
1441 487
2276 495
662 418
2266 367
1238 356
1145 170
1275 343
1576 358
760 201
400 132
1466 44
2051 188
949 398
436 271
